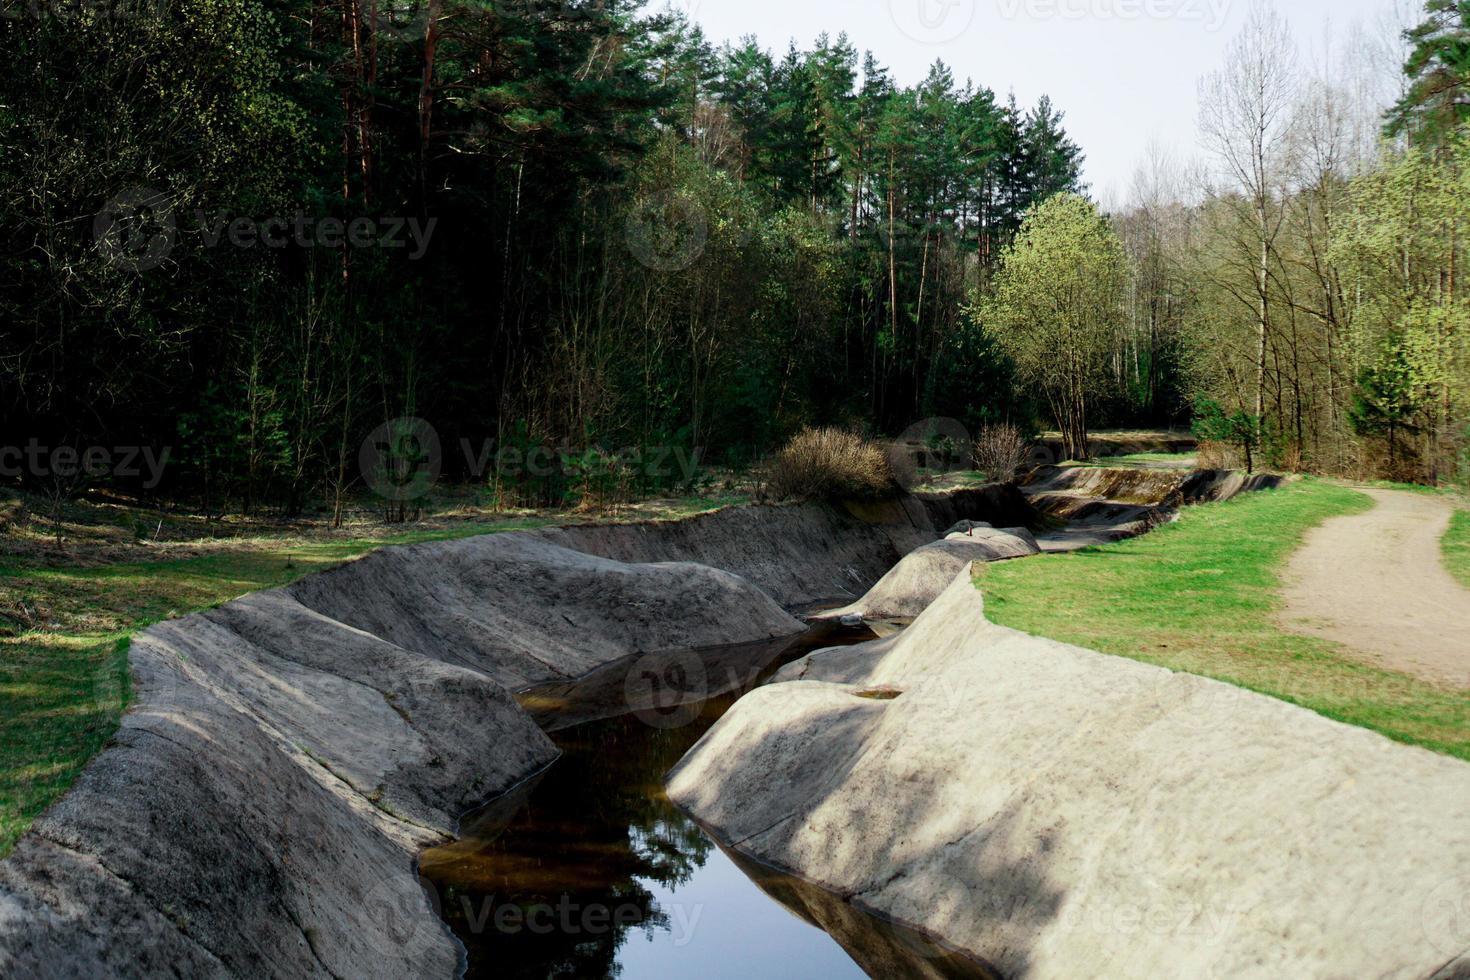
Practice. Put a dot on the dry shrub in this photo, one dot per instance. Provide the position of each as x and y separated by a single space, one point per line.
13 514
831 464
1001 450
1219 456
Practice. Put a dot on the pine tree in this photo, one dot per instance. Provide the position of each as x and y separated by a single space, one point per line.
1438 71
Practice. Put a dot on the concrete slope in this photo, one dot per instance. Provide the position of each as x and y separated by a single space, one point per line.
924 575
262 808
259 811
1100 505
1376 584
526 611
808 553
1059 813
288 755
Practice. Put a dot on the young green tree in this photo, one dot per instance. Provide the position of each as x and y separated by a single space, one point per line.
1398 255
1245 118
1058 307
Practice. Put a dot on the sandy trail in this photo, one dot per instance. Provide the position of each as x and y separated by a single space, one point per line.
1376 583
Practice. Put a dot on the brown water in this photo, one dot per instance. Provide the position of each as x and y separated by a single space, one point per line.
589 871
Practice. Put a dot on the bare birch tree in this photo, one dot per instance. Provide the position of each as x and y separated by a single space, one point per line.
1245 118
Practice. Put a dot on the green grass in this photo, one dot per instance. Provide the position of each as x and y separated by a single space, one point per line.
1181 460
1457 547
1202 596
65 628
1441 491
64 685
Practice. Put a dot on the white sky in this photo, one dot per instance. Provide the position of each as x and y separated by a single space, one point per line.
1123 71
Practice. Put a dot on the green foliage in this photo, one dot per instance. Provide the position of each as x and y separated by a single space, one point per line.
1387 399
635 233
1410 334
1057 306
974 381
1358 347
1438 71
1239 429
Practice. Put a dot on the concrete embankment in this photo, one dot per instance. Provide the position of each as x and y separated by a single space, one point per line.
1056 812
1100 504
924 574
1093 506
288 754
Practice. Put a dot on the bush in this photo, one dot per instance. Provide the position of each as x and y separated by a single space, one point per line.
832 465
1213 423
1000 451
1219 456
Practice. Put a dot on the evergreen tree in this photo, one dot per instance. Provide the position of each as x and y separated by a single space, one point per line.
1438 72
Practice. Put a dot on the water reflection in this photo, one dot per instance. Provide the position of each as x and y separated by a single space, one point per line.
589 871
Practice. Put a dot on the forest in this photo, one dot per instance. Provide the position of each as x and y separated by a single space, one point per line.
253 233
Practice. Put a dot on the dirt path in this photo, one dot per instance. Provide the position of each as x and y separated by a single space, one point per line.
1376 583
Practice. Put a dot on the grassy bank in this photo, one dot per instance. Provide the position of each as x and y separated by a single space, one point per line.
1177 461
1457 548
1202 596
64 683
65 620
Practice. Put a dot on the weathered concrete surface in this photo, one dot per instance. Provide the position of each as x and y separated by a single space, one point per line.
216 838
923 576
526 611
1060 813
290 753
805 554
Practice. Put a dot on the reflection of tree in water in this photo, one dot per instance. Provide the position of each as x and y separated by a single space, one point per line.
593 830
549 883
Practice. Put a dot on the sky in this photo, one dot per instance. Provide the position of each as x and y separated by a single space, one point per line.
1125 72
